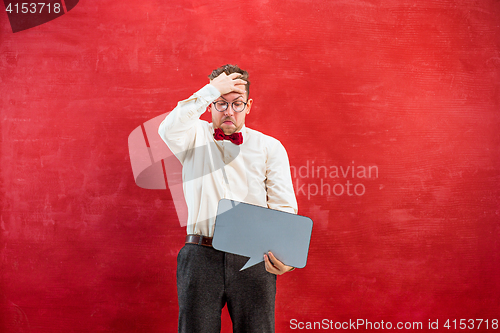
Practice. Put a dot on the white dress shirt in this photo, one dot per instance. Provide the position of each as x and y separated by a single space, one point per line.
255 172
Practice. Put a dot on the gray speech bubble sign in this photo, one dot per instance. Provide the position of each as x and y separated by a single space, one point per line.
250 231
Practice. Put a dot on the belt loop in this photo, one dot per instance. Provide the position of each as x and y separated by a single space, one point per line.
200 240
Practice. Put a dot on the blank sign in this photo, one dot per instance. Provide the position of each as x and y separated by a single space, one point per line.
251 231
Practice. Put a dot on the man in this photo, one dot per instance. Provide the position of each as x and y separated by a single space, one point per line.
254 169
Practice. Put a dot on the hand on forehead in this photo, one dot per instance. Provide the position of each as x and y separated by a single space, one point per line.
229 83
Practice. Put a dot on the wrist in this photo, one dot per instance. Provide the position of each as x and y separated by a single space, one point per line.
219 89
210 92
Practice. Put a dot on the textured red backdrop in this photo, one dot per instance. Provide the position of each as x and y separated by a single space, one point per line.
408 88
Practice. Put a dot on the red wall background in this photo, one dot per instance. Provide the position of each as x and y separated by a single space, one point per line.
411 87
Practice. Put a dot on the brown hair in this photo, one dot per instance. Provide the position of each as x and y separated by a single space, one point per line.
229 69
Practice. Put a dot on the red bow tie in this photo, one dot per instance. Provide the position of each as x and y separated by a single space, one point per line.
235 138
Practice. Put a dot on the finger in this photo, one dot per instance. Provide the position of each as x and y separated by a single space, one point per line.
277 265
267 261
274 271
276 262
233 75
239 82
269 267
219 77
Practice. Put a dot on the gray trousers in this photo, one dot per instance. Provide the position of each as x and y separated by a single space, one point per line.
207 279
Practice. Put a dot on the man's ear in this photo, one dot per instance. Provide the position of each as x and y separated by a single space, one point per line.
249 105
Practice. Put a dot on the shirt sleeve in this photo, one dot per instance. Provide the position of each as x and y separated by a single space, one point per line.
279 187
179 128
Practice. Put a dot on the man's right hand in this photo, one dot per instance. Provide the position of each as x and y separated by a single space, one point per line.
229 83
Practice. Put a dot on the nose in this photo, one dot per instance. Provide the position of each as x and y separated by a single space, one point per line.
229 111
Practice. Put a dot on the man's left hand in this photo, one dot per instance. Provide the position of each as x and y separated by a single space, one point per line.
275 266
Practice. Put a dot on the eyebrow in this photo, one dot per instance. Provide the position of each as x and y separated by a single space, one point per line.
241 96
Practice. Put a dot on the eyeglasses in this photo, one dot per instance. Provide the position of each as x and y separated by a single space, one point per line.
238 106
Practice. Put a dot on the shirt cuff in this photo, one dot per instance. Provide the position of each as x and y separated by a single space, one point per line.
208 94
200 99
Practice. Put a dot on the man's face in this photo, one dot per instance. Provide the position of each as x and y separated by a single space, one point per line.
230 121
